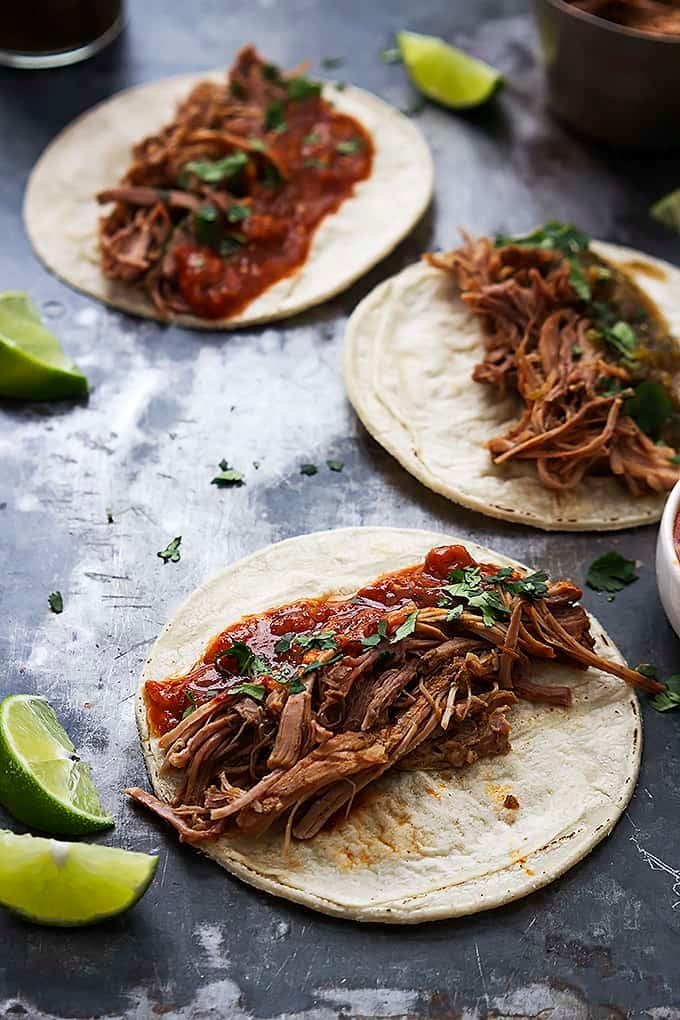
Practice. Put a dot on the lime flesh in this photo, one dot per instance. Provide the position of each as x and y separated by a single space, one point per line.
43 783
667 210
33 365
57 883
445 73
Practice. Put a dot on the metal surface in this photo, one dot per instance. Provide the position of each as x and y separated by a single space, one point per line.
166 405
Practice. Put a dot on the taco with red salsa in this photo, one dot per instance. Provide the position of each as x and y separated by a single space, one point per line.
227 199
389 725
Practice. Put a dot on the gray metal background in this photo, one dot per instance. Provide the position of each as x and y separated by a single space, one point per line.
166 405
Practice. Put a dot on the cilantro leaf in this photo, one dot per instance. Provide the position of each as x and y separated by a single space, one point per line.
171 553
665 700
390 55
467 585
212 171
308 469
611 572
192 706
227 476
296 686
230 245
56 602
406 628
257 691
454 613
324 639
205 221
313 138
348 146
238 213
301 88
270 72
335 465
650 406
274 118
374 639
533 586
553 235
284 643
578 281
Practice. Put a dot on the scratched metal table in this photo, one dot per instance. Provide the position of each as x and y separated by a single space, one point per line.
166 406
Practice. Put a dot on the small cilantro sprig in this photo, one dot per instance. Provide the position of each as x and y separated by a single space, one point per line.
171 553
251 666
349 146
611 572
374 639
467 584
227 476
650 406
212 171
533 586
665 700
323 640
556 236
56 602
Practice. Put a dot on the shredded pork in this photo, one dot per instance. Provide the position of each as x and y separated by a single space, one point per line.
540 343
438 698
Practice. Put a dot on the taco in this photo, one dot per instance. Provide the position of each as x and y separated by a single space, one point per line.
256 195
395 738
533 378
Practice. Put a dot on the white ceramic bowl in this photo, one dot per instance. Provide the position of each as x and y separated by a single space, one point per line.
667 563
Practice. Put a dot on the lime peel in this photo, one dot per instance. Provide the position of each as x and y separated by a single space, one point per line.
43 782
51 882
33 365
447 74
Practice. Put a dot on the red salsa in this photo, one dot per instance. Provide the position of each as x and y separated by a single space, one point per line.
391 597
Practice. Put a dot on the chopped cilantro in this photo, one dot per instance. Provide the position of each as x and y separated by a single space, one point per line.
406 628
374 639
227 476
454 614
212 171
323 640
238 213
230 245
610 386
274 119
650 406
670 698
330 63
533 586
467 585
675 459
335 465
171 553
313 138
390 55
257 144
576 351
109 517
237 90
206 223
348 146
256 691
191 707
302 88
308 469
314 163
611 572
56 602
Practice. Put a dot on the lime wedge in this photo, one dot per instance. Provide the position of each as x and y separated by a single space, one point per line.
51 882
445 73
667 210
33 365
42 780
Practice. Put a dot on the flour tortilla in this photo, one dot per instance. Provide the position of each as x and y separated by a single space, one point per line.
61 213
410 349
423 845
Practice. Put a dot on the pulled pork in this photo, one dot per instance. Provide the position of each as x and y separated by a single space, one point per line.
436 698
542 344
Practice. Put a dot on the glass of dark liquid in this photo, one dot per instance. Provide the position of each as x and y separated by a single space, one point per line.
52 33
